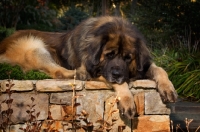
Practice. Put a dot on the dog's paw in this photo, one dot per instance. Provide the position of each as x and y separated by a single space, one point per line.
167 91
82 75
126 106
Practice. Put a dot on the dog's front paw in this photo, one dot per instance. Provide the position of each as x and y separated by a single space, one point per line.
126 103
81 76
167 91
126 106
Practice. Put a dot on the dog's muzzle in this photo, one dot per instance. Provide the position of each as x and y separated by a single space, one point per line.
115 71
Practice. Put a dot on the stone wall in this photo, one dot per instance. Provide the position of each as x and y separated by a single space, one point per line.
94 104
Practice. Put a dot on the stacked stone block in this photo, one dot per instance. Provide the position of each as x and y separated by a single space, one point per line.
53 101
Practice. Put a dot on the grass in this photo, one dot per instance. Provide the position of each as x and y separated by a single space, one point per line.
183 68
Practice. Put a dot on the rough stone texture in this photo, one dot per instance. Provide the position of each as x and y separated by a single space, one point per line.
16 128
19 85
61 112
154 104
96 85
61 98
139 103
60 126
95 98
53 125
93 103
57 85
56 112
143 84
151 123
112 116
20 106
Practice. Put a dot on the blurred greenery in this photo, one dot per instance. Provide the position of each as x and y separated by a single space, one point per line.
171 28
40 18
5 32
72 17
168 22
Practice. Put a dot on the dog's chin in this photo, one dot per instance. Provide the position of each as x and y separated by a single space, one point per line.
115 80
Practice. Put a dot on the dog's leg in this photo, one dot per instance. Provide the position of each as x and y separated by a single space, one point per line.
37 59
164 85
30 53
40 59
82 74
43 61
126 103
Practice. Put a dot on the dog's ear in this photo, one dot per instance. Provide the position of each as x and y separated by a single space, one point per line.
143 57
97 38
101 35
95 51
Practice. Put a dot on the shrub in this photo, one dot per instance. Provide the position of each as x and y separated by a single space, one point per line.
15 72
40 18
5 32
72 17
183 68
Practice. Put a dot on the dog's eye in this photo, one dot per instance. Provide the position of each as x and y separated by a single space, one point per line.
110 55
128 58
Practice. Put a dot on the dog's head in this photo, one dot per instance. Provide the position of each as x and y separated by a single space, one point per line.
113 48
123 57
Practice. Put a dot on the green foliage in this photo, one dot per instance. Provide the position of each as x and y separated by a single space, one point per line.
9 10
5 32
184 71
171 24
91 7
14 72
72 18
40 18
164 22
186 76
27 14
172 32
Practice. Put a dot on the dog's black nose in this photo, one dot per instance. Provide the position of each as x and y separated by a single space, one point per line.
116 72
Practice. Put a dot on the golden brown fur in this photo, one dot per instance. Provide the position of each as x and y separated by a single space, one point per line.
109 49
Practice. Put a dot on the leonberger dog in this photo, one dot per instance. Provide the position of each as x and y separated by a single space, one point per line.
108 49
